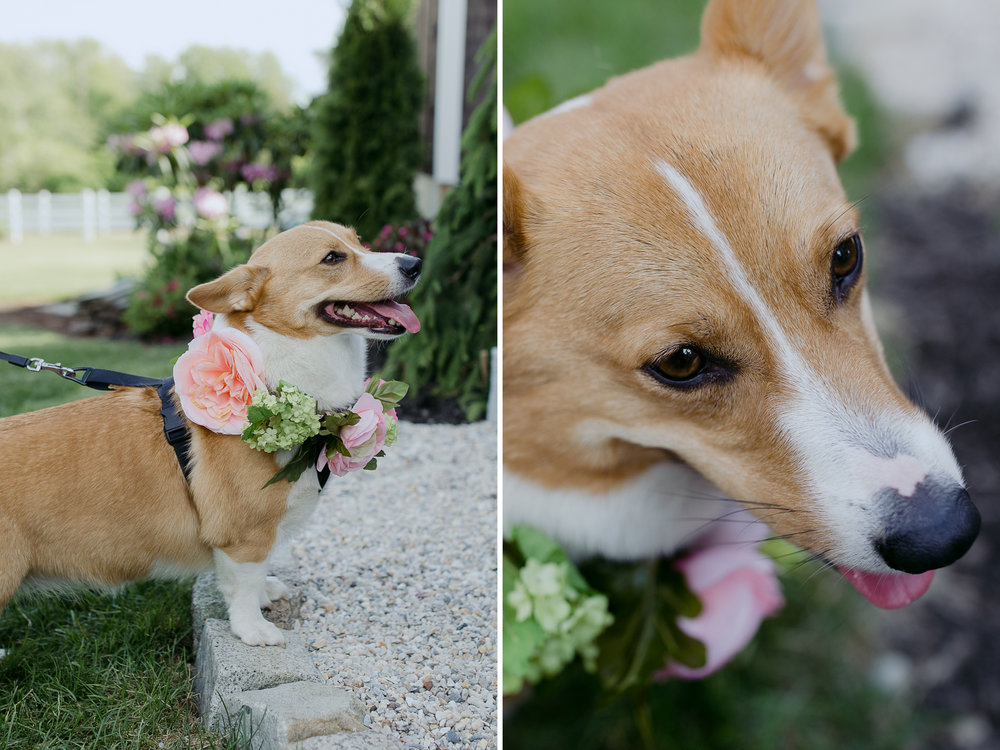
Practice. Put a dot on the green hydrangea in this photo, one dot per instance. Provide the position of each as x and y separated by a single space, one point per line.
281 420
551 614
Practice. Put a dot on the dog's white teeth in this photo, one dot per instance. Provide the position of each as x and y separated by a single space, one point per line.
347 311
393 322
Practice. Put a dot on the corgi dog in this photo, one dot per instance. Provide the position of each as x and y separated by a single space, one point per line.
92 493
685 319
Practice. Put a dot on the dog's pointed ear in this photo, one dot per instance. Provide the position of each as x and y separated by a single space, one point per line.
515 212
786 36
235 291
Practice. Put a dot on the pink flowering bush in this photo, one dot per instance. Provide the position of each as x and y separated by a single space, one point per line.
210 204
411 237
216 378
200 144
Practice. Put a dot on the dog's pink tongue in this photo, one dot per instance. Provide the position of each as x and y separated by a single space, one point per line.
398 312
889 590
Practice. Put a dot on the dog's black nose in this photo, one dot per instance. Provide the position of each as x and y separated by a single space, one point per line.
932 528
409 266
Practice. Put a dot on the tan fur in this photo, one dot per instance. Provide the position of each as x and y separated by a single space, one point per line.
91 492
604 269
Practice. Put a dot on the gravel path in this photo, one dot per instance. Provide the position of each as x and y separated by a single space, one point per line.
399 576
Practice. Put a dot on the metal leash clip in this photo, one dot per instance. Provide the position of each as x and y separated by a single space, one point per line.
37 364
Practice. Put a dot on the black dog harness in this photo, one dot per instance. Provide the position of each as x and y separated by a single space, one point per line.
174 427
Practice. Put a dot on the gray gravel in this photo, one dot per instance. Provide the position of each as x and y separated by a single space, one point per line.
398 568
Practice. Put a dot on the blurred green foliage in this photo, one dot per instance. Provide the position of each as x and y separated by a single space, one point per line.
366 132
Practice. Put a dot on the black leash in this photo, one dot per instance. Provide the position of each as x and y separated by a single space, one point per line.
174 426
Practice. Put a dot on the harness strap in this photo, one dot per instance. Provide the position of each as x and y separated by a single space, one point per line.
174 426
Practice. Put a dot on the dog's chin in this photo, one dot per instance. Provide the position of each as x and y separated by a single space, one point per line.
383 320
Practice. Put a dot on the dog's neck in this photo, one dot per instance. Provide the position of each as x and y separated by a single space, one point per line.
331 369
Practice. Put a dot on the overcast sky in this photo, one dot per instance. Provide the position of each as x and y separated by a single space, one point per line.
294 30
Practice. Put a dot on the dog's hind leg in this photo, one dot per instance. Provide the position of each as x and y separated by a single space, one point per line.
244 585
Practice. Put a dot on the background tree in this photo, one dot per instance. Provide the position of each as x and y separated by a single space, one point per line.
366 138
57 100
457 298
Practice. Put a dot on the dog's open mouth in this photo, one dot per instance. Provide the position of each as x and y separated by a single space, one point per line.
387 316
888 590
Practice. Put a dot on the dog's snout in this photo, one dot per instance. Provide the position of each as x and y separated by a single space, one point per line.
409 266
931 528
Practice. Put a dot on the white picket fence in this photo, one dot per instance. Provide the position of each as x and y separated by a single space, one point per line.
91 212
98 212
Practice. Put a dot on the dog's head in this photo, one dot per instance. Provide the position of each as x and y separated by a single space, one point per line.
684 277
317 280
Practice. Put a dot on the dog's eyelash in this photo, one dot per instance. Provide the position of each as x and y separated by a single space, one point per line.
333 257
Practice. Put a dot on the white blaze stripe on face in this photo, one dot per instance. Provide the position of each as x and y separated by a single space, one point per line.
704 221
847 453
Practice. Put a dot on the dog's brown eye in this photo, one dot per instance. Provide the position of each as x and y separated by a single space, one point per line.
680 366
845 266
332 258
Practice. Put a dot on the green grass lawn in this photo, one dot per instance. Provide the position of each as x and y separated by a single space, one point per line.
91 670
60 266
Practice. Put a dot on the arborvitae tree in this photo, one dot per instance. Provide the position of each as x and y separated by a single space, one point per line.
456 300
366 138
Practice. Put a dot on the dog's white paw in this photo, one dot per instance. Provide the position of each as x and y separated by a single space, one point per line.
274 589
258 632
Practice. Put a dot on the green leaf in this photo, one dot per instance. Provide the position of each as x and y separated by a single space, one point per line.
258 413
371 465
391 392
335 420
646 599
305 457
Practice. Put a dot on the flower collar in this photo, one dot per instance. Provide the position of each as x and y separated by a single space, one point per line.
218 381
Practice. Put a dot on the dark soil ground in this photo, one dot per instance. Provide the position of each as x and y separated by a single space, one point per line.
939 266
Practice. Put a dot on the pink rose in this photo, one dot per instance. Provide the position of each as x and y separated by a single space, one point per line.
203 322
216 379
738 589
363 440
211 204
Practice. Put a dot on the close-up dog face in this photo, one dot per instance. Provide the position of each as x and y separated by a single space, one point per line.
678 246
318 280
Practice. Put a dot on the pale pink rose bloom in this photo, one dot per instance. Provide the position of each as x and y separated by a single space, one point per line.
216 378
211 204
203 322
738 589
363 440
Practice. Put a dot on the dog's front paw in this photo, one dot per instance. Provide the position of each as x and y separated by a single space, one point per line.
274 589
257 632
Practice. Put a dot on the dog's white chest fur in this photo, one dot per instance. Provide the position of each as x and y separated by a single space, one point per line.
331 369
